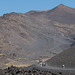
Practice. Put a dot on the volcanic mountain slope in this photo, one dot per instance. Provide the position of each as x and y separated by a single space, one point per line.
61 14
21 38
60 17
66 57
25 38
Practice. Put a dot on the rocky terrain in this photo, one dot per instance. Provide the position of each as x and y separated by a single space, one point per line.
26 38
20 71
31 71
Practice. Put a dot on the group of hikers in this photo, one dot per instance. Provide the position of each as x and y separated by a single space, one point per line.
42 64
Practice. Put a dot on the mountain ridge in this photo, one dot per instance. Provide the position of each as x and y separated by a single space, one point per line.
61 6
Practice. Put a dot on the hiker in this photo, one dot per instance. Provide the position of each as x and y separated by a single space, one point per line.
63 66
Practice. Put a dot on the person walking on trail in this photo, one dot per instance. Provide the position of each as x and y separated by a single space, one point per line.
63 66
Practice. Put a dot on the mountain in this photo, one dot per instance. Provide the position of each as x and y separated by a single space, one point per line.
25 38
61 14
66 57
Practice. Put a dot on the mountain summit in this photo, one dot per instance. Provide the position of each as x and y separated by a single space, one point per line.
65 8
62 6
61 13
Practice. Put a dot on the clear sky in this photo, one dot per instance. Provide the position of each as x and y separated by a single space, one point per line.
23 6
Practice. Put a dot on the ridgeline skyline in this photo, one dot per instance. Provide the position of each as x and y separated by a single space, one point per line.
23 6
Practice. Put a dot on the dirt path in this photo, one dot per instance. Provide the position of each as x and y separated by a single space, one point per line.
56 69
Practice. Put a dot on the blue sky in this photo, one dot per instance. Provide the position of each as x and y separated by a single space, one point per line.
23 6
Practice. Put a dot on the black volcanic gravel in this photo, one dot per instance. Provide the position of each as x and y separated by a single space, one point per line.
27 71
